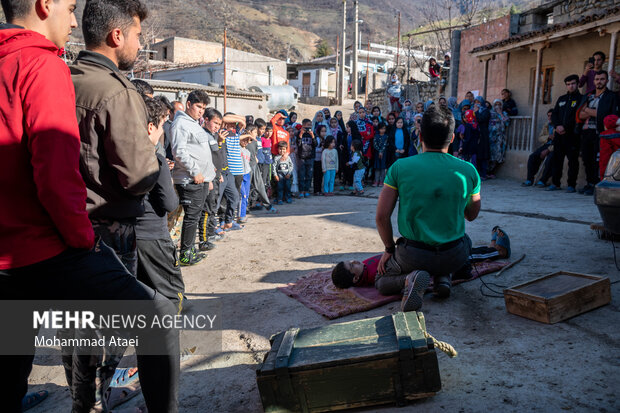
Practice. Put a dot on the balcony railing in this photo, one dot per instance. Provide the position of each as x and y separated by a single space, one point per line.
518 135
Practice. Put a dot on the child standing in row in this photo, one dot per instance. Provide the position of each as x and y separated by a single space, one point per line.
265 166
329 162
380 145
357 163
283 173
321 133
244 191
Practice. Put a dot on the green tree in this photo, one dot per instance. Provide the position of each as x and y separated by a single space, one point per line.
322 48
514 10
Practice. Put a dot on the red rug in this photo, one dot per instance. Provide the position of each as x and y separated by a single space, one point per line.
317 292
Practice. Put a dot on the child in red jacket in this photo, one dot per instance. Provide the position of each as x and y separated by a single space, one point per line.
610 141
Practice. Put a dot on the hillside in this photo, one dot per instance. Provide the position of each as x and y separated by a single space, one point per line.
287 29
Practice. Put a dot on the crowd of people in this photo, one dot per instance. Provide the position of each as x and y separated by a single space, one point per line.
579 124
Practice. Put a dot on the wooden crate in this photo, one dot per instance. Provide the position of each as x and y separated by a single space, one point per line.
558 296
360 363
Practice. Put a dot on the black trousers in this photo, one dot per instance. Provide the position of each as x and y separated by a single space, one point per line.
230 192
95 274
589 155
192 198
158 267
209 219
317 182
534 161
565 146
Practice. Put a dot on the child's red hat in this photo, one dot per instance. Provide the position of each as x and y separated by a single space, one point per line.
610 121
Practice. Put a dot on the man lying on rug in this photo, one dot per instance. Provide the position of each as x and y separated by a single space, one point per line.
362 273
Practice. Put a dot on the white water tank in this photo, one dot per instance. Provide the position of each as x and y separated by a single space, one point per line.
278 97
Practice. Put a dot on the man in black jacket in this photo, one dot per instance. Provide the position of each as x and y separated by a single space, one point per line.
595 106
566 139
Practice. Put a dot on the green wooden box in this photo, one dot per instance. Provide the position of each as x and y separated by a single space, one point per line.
360 363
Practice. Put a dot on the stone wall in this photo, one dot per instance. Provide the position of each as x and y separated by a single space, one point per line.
418 92
567 11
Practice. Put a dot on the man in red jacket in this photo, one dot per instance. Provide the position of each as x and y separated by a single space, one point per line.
47 245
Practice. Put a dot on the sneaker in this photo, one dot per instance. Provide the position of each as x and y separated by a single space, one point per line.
272 210
342 188
279 202
552 188
571 189
527 183
215 238
415 286
540 184
188 258
220 232
351 188
441 286
589 191
289 201
256 208
206 246
584 189
242 220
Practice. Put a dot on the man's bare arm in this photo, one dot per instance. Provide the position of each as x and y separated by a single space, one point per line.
473 207
383 219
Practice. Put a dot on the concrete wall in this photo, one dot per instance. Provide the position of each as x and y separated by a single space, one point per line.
471 70
567 57
181 50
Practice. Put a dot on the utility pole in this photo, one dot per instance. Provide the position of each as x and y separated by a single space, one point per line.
337 68
354 72
367 64
398 43
341 87
224 59
408 57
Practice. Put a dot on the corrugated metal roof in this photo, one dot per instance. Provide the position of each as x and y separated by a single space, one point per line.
216 91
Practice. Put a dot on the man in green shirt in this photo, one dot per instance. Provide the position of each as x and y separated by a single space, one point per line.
436 193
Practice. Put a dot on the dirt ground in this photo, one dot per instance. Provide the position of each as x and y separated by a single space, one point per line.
505 362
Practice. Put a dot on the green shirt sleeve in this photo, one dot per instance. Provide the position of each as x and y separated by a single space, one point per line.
476 182
391 177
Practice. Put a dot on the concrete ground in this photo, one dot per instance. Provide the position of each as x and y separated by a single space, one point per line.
506 363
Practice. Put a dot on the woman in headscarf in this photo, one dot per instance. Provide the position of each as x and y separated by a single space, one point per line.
428 104
327 114
338 115
483 116
469 133
319 119
453 106
415 146
398 142
442 101
408 113
352 134
497 135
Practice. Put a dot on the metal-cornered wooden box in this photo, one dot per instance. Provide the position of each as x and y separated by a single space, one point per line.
359 363
558 296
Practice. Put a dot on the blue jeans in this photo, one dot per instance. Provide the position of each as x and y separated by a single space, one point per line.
328 181
306 166
245 194
358 175
284 189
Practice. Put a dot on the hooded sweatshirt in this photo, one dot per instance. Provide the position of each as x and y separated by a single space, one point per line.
43 196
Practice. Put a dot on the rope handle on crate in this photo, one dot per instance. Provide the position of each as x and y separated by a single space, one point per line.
441 345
